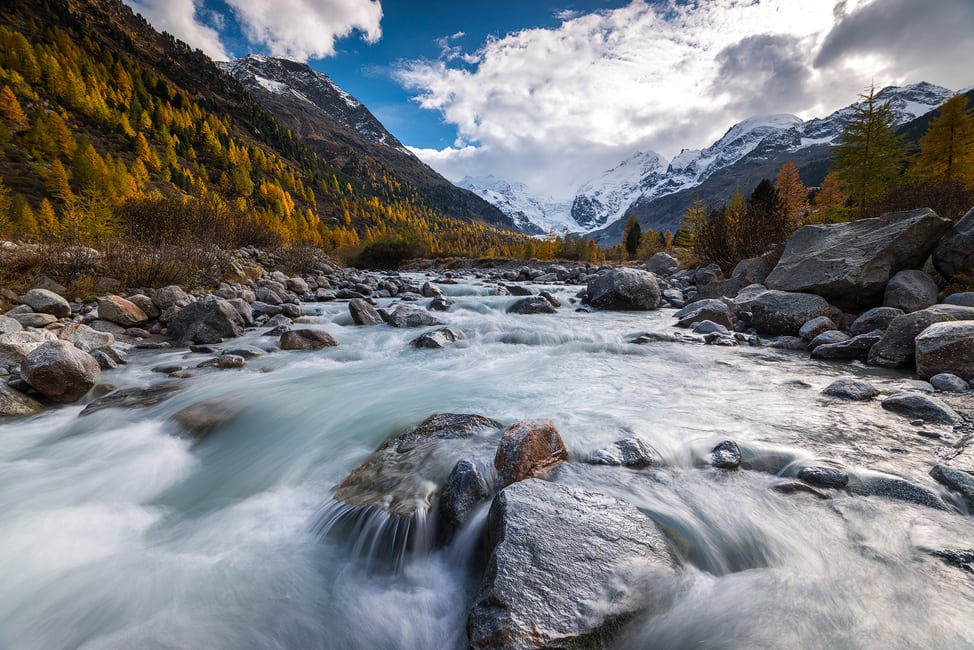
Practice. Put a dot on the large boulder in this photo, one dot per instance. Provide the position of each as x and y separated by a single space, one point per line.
410 316
59 371
363 313
307 339
85 337
856 347
850 263
946 347
13 402
924 407
528 448
663 264
206 321
44 301
567 568
877 318
439 338
464 489
120 311
755 270
780 313
17 345
170 296
954 255
624 289
711 309
910 291
897 347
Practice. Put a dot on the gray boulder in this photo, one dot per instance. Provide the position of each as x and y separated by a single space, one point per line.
9 325
707 274
464 489
946 347
755 270
34 320
663 264
206 321
897 348
828 338
566 568
410 316
914 405
624 289
910 291
430 290
816 326
84 337
855 348
146 305
44 301
877 318
957 480
307 339
949 383
782 313
959 312
363 313
964 299
850 263
889 487
17 345
628 452
532 305
171 296
59 371
120 311
851 389
440 338
954 255
710 309
13 403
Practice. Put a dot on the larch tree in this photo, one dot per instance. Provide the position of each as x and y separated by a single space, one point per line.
57 183
793 195
693 219
10 108
830 200
947 148
869 154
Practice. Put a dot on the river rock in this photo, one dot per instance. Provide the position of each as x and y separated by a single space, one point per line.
914 405
84 337
898 489
850 263
710 327
203 418
403 475
59 371
43 301
624 289
794 343
897 347
206 321
441 304
946 347
782 313
816 326
957 480
170 296
828 338
959 312
855 348
464 489
145 303
532 305
34 320
410 316
13 402
948 383
711 309
954 255
634 453
440 338
528 448
230 361
910 291
363 313
9 325
827 477
430 290
877 318
755 270
566 570
133 398
962 299
663 264
851 389
120 311
307 339
726 455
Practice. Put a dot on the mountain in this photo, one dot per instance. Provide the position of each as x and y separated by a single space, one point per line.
606 199
534 214
342 130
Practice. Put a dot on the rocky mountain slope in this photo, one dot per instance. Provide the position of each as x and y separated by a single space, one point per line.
342 130
534 214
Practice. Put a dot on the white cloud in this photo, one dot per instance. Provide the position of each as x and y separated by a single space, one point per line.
554 107
179 18
307 29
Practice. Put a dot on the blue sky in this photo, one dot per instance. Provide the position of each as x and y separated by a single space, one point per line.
552 92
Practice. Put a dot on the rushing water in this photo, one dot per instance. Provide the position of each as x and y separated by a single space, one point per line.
115 533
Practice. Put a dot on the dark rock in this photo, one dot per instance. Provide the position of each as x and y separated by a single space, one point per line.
963 299
898 489
624 289
850 263
915 405
13 402
710 327
363 313
816 326
855 348
465 488
828 338
910 291
168 368
440 338
851 389
555 554
707 274
528 449
755 270
245 351
410 316
278 331
781 313
531 305
291 310
203 418
826 477
208 321
962 559
726 455
795 487
897 347
132 398
948 383
30 319
550 298
795 343
628 452
307 339
441 304
712 309
663 264
946 347
957 480
954 255
59 371
229 361
877 318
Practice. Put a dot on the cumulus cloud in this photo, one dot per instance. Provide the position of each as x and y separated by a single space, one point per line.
554 107
182 19
297 29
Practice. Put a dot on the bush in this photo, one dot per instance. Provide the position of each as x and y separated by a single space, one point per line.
389 253
141 265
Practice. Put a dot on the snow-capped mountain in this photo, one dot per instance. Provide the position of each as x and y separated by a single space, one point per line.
642 179
534 214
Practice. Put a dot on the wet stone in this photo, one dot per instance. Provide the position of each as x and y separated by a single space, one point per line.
726 455
827 477
634 453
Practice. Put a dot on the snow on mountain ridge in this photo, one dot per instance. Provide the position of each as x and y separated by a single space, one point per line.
535 214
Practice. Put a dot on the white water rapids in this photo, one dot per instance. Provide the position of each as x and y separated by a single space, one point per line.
115 533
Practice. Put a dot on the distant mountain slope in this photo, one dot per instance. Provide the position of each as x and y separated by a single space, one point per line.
345 132
533 214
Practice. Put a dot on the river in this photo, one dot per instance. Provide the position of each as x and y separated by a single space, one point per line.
116 533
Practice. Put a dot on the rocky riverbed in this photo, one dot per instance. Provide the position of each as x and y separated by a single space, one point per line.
529 455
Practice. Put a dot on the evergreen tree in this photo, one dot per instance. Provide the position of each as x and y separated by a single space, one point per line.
793 194
869 154
633 234
947 148
694 217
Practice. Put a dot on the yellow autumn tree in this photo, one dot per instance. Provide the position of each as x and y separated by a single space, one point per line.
793 195
947 148
57 184
10 108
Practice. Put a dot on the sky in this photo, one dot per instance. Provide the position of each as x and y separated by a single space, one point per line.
552 92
